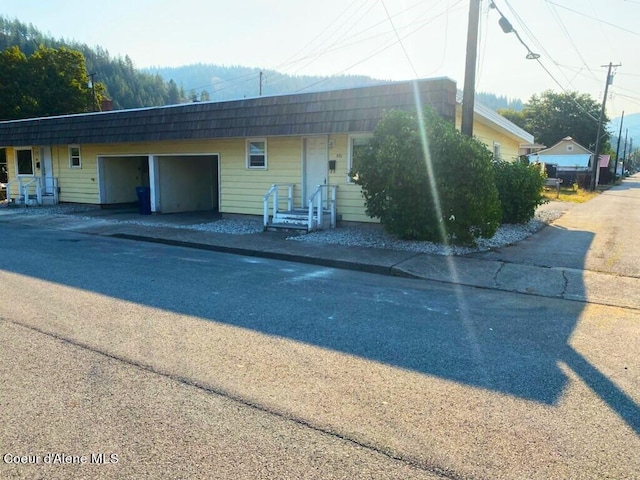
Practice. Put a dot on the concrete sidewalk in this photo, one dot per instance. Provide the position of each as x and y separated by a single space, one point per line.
556 282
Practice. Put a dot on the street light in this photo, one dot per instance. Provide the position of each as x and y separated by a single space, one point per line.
508 28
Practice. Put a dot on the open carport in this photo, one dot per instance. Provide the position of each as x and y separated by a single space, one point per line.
120 175
184 183
177 182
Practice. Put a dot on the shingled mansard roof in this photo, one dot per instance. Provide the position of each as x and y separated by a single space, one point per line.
336 111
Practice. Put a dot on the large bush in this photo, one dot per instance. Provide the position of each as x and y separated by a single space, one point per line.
428 183
520 188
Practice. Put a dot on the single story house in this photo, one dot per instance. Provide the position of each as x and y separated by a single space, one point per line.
567 160
504 138
224 156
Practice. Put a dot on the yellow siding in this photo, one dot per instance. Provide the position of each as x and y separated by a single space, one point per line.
509 148
243 189
79 185
488 134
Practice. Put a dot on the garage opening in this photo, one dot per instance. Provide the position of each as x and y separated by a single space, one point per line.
187 183
119 177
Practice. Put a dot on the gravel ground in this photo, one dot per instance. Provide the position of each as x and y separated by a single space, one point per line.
361 235
374 236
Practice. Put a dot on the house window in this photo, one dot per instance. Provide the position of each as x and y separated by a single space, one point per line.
24 161
357 143
257 153
75 161
497 151
569 148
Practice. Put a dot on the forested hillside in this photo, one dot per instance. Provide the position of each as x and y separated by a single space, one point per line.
125 85
496 102
130 87
218 82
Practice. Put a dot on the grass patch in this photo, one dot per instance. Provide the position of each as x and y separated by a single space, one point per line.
574 195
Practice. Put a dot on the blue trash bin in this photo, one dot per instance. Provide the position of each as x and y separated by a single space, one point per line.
144 200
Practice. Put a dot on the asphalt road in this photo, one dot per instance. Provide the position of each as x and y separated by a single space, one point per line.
600 235
194 364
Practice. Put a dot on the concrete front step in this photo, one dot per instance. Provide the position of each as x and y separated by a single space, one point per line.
297 219
287 226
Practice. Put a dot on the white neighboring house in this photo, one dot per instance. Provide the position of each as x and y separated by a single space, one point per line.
570 160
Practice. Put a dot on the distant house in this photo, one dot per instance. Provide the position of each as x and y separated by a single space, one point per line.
257 156
567 160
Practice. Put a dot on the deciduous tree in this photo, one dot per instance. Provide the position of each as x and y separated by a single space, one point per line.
551 116
49 82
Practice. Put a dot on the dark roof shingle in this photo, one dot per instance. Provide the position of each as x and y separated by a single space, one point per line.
336 111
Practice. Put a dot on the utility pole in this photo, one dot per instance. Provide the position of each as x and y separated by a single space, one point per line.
624 156
596 155
261 74
468 94
93 91
615 169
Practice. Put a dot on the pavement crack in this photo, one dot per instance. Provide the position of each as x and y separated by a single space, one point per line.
416 463
566 283
495 275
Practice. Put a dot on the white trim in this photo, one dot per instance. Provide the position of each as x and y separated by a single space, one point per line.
33 165
351 138
248 141
154 182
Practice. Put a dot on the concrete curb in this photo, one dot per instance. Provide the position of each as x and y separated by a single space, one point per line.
332 263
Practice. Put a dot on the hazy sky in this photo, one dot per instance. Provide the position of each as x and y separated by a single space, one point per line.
386 39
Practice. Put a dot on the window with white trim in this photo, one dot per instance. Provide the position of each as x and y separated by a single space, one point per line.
24 161
75 160
356 142
497 151
257 153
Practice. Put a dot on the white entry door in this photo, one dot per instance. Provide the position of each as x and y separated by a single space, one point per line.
316 157
46 170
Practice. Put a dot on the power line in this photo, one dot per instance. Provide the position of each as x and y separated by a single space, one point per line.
570 38
406 54
578 104
384 48
593 18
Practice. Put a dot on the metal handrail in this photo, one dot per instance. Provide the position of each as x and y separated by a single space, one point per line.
319 199
23 189
273 193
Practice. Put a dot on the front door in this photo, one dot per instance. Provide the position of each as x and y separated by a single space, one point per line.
46 170
316 157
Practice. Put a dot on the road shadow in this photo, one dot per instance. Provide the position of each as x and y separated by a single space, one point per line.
508 343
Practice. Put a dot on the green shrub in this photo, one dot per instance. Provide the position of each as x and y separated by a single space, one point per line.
447 194
520 189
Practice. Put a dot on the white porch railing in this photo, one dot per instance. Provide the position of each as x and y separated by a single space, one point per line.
12 182
274 195
26 187
324 198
